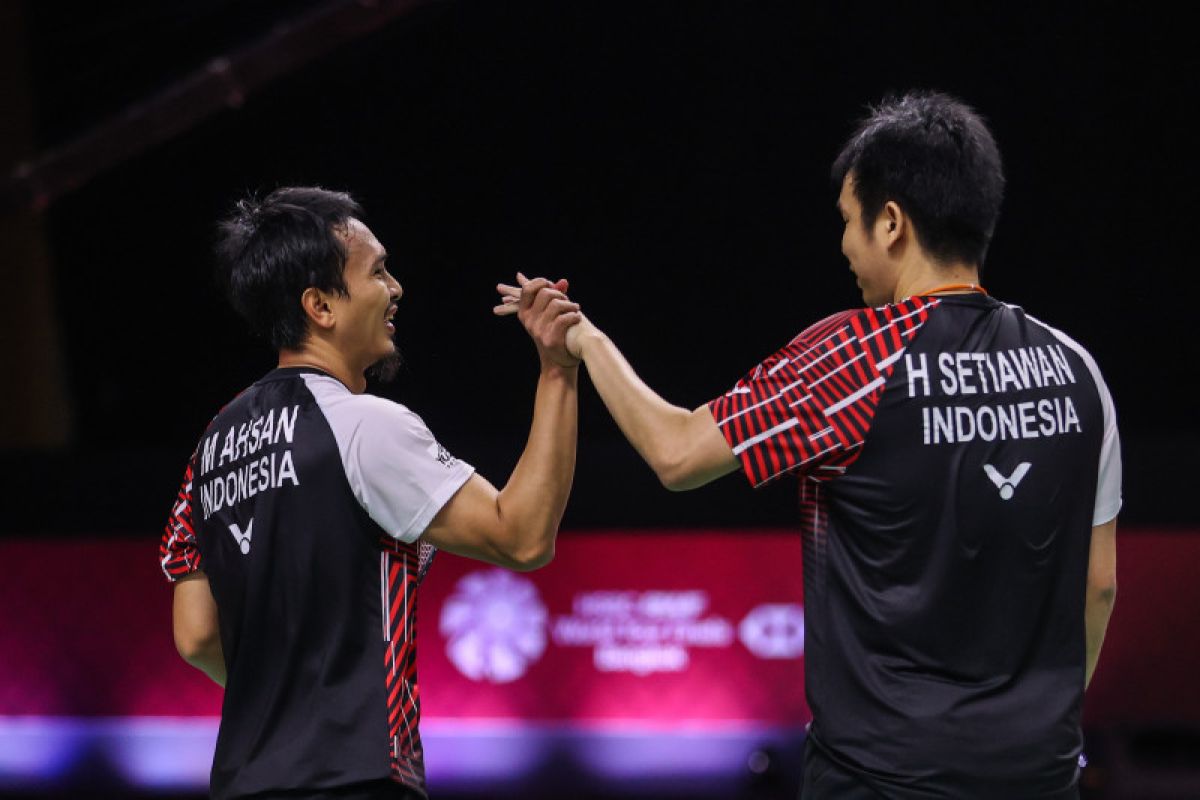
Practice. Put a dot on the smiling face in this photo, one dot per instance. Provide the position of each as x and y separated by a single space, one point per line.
364 328
866 248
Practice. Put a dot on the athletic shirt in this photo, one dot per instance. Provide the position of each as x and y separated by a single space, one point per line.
954 454
303 505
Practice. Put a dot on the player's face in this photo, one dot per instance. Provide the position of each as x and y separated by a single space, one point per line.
364 318
865 249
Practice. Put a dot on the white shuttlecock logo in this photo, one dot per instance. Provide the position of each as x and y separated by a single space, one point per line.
1007 485
495 626
243 537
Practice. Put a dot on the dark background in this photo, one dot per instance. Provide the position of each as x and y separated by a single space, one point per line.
671 159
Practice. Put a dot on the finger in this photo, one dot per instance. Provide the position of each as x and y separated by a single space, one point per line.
562 284
545 297
568 321
531 289
505 309
521 279
558 318
561 306
508 294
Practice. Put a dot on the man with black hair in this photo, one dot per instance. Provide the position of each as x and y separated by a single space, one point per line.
310 511
960 478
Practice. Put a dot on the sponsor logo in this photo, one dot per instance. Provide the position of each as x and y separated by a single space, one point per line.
774 630
1007 485
243 538
442 455
641 632
495 626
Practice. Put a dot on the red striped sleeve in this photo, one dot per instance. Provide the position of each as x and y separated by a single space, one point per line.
177 552
808 407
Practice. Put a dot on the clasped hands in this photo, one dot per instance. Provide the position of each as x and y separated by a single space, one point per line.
553 321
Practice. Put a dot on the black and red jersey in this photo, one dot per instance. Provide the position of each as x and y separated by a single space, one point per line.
954 454
303 505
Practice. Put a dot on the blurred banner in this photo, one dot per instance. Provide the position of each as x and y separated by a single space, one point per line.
702 627
634 655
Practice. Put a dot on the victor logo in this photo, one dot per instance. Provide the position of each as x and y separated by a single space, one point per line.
243 539
442 455
1007 485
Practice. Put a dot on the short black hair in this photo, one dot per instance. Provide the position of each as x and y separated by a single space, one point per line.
934 156
269 251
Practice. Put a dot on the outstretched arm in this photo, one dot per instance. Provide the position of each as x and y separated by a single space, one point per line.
685 448
516 526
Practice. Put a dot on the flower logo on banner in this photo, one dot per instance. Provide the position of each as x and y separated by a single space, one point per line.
495 626
774 630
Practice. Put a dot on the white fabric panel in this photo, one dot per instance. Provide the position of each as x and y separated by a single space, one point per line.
1108 484
400 474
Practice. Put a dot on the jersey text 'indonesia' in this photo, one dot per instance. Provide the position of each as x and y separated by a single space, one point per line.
994 373
270 471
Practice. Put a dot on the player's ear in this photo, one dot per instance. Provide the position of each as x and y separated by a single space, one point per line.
317 308
893 222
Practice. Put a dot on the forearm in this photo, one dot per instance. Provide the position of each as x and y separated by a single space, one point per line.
656 429
1097 611
1101 591
210 660
198 640
532 503
196 626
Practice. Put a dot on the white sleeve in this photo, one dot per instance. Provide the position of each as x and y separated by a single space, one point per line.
398 472
1108 485
1108 482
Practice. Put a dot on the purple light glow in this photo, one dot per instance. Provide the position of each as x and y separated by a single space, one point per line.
161 752
639 755
469 755
176 752
144 752
37 751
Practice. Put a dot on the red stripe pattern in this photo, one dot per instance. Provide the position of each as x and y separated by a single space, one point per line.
814 537
402 567
808 407
177 551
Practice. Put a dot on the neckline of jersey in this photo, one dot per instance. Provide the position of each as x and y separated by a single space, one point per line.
301 369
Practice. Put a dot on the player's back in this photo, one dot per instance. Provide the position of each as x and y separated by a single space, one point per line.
298 569
945 584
